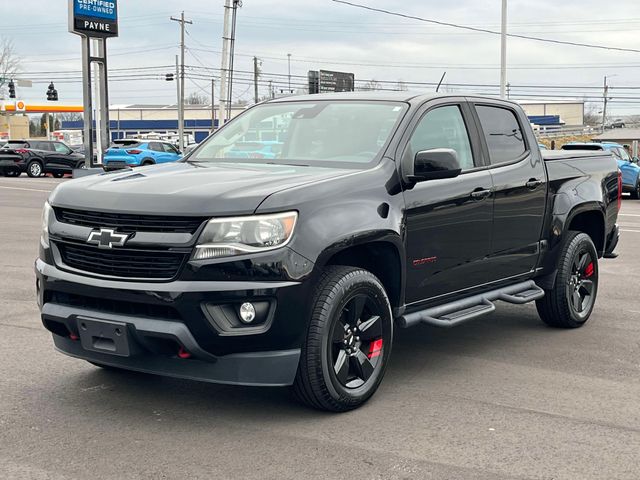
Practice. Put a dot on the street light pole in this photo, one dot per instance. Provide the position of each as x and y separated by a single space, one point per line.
503 52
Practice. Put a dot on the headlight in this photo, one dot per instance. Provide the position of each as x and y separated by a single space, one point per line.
225 237
46 212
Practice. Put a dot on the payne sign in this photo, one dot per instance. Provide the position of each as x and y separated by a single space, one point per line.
94 18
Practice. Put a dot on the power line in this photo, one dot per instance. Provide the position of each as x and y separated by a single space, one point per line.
484 30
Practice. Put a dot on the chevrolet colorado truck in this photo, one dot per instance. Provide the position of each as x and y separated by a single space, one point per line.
379 211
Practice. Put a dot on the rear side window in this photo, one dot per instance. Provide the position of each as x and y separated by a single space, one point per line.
156 147
502 132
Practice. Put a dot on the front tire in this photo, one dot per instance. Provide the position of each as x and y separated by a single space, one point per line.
635 194
570 302
34 169
348 341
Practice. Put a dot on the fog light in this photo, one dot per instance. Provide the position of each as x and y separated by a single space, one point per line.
247 312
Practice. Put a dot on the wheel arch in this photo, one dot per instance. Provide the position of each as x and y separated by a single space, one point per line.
381 257
592 223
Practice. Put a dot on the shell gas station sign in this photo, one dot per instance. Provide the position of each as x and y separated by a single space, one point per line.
23 107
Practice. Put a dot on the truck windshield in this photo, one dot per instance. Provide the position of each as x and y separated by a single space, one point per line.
346 134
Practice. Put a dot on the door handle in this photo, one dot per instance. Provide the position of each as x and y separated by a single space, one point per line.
480 194
533 183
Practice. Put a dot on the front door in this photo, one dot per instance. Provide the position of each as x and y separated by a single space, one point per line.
448 221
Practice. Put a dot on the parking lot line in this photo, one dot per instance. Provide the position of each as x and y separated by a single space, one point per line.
25 189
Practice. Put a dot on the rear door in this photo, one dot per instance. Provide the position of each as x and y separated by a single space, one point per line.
156 151
448 221
520 190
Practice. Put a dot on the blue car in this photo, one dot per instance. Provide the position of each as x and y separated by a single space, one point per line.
269 149
135 153
627 165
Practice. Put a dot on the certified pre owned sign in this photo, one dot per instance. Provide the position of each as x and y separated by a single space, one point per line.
96 18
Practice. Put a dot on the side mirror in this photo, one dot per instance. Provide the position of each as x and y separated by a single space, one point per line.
435 164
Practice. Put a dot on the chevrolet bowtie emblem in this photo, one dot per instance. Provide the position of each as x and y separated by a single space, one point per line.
107 238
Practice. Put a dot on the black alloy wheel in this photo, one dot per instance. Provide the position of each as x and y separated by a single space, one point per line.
358 342
582 283
348 342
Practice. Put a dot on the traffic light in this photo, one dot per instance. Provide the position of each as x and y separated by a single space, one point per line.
52 93
12 89
169 77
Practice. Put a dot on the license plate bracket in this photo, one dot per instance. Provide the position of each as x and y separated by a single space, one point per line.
104 336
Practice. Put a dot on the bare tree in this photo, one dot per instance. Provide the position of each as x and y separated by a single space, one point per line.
592 115
196 98
9 63
69 116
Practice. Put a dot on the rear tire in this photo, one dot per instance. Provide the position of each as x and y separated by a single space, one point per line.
348 341
570 302
34 169
146 162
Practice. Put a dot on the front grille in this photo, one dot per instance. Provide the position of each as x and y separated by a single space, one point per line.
120 307
151 264
126 222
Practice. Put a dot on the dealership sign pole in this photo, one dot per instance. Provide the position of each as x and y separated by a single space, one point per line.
94 21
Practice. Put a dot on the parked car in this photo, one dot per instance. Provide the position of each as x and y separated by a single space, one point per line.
627 165
296 270
37 157
134 153
617 123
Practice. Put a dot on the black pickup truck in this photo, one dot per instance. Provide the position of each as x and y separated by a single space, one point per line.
378 211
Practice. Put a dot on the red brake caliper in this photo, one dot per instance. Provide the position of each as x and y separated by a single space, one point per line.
589 270
375 348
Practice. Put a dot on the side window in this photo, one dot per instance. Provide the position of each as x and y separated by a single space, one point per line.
502 132
168 148
61 148
443 127
155 146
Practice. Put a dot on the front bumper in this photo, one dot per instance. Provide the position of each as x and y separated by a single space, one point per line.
265 356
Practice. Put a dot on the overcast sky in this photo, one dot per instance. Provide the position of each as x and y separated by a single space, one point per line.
321 34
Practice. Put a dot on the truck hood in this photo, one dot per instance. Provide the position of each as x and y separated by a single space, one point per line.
186 188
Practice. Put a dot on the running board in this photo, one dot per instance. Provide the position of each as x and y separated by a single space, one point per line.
460 311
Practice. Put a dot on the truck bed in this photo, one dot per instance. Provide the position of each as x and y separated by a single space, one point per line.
551 155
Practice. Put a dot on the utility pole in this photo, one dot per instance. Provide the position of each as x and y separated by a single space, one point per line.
508 90
606 100
224 68
289 63
232 44
182 23
213 104
271 93
255 80
180 110
503 51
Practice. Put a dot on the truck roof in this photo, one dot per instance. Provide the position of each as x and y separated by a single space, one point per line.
389 96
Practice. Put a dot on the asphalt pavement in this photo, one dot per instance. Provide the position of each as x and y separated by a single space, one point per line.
502 397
